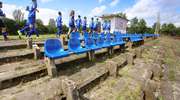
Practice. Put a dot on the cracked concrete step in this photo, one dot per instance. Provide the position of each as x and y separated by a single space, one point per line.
13 73
47 88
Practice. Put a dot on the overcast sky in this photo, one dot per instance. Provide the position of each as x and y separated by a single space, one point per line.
147 9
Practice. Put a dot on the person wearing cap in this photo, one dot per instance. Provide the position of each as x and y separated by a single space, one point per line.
78 23
71 22
84 25
91 25
59 24
2 26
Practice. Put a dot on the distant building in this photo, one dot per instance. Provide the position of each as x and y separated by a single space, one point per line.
118 22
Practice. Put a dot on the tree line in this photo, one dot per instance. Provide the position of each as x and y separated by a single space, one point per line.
140 26
136 25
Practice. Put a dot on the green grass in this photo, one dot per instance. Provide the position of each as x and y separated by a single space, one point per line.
171 59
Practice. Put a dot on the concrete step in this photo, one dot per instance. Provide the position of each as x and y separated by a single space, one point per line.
14 73
85 74
16 44
9 56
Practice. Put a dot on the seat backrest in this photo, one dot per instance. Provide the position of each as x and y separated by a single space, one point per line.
103 35
95 35
75 35
108 38
100 42
89 42
53 45
86 35
74 43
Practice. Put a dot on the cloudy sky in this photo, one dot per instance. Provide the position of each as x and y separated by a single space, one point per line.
147 9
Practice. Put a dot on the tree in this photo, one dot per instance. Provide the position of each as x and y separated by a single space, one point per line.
133 25
40 27
11 26
177 31
141 26
18 15
168 29
122 15
52 22
65 29
171 28
52 26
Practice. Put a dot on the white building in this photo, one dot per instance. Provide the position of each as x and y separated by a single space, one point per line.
117 22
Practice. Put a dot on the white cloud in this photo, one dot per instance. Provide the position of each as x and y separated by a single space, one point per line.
114 3
97 10
148 10
44 13
8 9
45 1
100 1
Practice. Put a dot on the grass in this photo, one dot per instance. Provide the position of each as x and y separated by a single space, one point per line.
171 58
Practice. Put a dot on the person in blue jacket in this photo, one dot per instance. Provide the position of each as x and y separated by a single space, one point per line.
108 27
91 25
2 26
78 23
104 26
71 22
32 19
59 24
84 25
95 29
26 28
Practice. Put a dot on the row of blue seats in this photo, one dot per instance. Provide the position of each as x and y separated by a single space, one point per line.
53 47
132 37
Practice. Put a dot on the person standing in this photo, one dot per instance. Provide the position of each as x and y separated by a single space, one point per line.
59 25
2 26
32 19
99 27
95 29
26 28
78 23
104 25
91 25
108 27
84 25
71 22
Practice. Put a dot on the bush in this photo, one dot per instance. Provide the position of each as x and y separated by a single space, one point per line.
11 26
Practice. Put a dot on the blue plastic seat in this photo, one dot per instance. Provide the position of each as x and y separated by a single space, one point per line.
53 49
101 43
74 45
75 35
86 35
110 40
103 35
118 41
90 44
135 38
95 35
